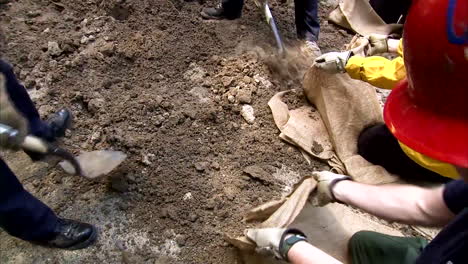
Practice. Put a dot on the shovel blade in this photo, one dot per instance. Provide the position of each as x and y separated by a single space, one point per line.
95 163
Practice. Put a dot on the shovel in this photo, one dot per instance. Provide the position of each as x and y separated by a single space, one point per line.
90 165
263 5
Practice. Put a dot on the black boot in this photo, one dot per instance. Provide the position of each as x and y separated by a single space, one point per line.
71 235
59 123
217 12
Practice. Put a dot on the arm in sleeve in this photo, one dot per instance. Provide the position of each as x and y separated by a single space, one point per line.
376 70
400 48
456 195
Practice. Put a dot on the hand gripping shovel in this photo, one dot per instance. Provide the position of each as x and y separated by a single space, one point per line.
90 165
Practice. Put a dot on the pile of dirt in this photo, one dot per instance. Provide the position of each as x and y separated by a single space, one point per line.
176 94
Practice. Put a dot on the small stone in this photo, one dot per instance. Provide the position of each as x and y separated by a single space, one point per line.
180 240
190 113
29 83
159 77
227 81
187 196
147 159
247 79
34 13
210 204
131 177
215 165
215 58
201 166
53 64
193 217
119 184
231 98
158 120
45 110
107 49
95 105
53 48
95 137
247 113
244 96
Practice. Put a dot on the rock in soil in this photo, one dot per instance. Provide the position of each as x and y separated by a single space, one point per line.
247 113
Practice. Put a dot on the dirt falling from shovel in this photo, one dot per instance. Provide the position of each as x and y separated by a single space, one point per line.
291 66
96 163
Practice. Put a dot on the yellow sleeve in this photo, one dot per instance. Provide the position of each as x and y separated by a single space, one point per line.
442 168
400 48
376 70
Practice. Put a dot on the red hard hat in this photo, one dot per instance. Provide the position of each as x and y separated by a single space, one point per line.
429 111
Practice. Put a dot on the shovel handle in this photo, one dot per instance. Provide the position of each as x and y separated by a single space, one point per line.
62 153
263 5
36 144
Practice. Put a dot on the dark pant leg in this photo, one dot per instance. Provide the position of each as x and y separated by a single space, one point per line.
368 247
307 22
378 146
232 8
21 214
20 98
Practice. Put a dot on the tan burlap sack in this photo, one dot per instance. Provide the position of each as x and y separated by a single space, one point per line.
360 17
304 128
347 106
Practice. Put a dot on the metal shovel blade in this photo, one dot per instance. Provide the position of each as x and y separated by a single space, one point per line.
95 163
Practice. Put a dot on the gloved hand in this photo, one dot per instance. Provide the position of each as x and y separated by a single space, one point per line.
333 62
11 117
326 181
267 239
377 44
275 240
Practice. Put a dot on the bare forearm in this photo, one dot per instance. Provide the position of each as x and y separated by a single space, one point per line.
305 253
402 203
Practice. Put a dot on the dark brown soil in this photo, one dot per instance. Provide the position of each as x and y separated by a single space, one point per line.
154 80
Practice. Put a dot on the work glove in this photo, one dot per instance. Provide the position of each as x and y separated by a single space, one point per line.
276 241
10 117
325 182
377 44
333 62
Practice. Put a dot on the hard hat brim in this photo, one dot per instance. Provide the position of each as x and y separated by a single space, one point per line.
438 136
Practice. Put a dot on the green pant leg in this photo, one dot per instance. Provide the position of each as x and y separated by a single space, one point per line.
367 247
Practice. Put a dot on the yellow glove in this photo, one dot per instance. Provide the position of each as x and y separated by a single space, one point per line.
10 116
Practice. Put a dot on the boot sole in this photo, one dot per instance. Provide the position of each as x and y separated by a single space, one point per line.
208 17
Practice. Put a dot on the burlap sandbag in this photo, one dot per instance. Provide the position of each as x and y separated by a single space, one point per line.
304 128
360 17
347 106
279 213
